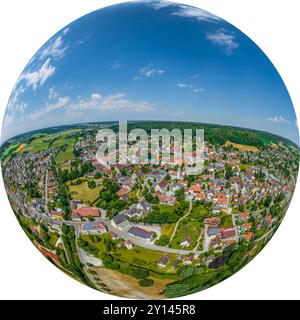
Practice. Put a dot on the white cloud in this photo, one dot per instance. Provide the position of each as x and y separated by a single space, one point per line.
52 93
183 10
189 86
60 103
38 77
195 13
65 31
14 99
278 119
55 48
224 40
197 90
114 102
160 4
150 72
20 107
184 85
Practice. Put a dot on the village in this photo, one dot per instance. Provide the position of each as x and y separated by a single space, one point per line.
239 197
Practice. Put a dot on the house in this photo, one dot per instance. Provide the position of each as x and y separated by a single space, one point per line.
268 219
247 226
162 185
218 262
141 233
54 226
185 242
94 227
128 244
182 183
188 260
56 215
243 217
200 196
228 233
229 242
74 203
165 199
195 189
163 261
248 236
212 221
213 231
133 212
114 236
85 212
144 205
208 260
175 263
216 241
120 221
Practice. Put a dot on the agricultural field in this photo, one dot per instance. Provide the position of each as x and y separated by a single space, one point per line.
241 147
36 145
66 153
12 148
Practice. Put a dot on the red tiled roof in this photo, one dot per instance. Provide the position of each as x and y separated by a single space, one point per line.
247 225
195 188
248 236
86 212
200 195
228 233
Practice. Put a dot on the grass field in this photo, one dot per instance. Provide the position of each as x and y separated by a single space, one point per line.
199 213
58 143
187 228
167 229
40 144
242 147
83 192
137 256
53 238
12 148
43 142
21 147
166 208
66 153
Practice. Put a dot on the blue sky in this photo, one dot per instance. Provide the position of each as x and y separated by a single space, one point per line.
150 60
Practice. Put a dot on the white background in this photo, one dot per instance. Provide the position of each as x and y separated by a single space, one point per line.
26 25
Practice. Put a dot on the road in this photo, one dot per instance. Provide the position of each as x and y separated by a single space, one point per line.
265 235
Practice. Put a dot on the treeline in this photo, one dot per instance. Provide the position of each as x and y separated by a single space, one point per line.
215 134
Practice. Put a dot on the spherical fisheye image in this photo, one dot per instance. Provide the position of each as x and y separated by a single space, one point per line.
149 150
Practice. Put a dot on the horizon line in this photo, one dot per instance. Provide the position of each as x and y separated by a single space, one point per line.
183 121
